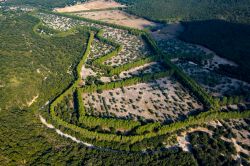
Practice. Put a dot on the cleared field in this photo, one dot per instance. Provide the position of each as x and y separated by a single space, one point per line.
91 5
110 16
160 100
118 17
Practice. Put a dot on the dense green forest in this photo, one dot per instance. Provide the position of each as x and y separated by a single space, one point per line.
30 64
48 4
167 10
25 141
211 150
180 10
228 40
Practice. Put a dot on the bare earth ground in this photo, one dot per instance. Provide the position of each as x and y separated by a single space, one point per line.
32 101
118 17
161 100
183 141
241 136
91 5
110 16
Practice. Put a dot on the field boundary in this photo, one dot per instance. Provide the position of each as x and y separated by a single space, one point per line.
212 113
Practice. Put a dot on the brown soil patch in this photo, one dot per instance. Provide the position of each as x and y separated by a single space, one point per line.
117 17
91 5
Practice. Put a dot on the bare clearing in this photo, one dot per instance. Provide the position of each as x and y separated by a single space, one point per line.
118 17
85 72
90 5
183 140
161 100
110 16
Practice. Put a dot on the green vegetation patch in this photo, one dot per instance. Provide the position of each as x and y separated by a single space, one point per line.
46 4
31 65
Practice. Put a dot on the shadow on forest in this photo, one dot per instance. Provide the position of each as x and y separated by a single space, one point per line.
228 40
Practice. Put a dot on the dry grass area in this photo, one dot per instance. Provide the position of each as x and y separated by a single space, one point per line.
110 16
118 17
90 5
161 100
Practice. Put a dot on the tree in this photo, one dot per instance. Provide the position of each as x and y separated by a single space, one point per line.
230 100
236 100
224 100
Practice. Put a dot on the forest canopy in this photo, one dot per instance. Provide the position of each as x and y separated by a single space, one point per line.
186 10
43 3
